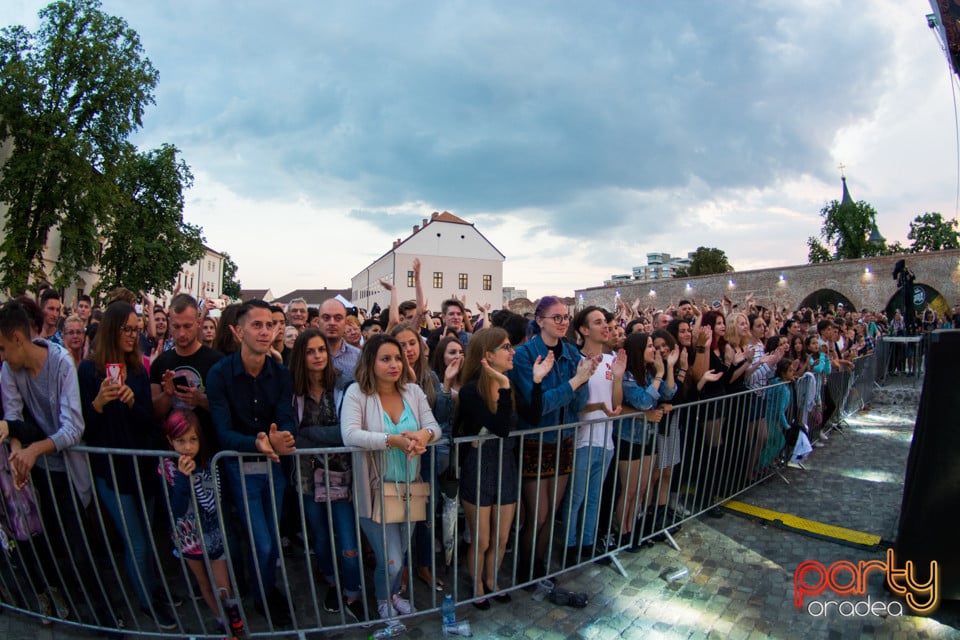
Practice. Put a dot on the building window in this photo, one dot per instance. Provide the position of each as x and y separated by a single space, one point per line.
487 283
438 280
462 281
410 282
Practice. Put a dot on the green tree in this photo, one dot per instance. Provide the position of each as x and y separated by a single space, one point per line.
930 232
72 92
705 261
816 252
846 229
895 248
147 240
231 286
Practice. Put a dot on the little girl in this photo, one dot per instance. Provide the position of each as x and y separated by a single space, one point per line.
196 527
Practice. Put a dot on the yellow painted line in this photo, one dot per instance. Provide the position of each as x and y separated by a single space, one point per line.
802 524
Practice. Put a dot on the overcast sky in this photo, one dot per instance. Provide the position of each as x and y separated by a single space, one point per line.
576 136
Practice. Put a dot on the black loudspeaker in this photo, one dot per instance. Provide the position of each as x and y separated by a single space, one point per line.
931 488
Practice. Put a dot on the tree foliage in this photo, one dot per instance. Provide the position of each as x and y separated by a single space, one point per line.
930 232
70 95
231 286
147 240
816 252
706 261
846 230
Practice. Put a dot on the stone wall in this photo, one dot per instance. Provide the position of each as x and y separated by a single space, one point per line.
866 283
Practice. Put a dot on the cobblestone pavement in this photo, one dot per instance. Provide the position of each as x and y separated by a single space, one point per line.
740 581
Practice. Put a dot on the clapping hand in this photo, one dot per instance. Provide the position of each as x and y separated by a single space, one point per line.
263 446
619 366
712 375
586 367
542 366
673 356
704 336
453 370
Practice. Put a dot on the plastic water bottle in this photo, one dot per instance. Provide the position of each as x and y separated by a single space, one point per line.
544 588
672 574
393 630
448 610
461 629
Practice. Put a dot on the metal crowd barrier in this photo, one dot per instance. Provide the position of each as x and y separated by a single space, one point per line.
900 356
843 392
696 457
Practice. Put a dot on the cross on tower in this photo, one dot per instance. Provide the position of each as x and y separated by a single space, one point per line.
842 166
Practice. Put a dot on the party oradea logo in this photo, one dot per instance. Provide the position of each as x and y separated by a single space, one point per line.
844 579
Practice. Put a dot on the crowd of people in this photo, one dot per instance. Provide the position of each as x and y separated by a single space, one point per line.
546 401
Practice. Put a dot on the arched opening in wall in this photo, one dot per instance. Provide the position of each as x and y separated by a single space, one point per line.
924 297
823 298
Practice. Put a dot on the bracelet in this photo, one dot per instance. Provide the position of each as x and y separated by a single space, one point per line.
701 349
386 440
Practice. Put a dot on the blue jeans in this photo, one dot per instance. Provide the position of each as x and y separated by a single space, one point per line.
127 514
423 531
590 467
344 539
257 514
389 559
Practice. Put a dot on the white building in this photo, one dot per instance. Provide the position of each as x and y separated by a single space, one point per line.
512 293
202 279
455 260
660 266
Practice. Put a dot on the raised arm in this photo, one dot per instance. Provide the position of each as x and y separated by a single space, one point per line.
420 299
394 313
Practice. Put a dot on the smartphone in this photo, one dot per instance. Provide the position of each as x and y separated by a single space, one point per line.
180 381
113 371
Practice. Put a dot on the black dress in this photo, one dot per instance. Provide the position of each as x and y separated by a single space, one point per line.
496 467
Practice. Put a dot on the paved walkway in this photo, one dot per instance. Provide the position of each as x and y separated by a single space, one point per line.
740 581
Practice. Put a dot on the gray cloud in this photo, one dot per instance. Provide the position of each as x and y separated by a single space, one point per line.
572 109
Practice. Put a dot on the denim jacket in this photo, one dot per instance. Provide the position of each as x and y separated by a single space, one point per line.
642 398
561 404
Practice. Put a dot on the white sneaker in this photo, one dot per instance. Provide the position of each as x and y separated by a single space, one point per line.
402 605
386 610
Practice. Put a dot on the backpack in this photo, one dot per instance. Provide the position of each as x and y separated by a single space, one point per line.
19 515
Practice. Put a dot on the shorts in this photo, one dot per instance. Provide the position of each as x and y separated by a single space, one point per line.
634 451
541 462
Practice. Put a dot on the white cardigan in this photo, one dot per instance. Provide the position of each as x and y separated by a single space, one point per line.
361 425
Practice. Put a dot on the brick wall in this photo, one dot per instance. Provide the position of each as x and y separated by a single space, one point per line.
873 290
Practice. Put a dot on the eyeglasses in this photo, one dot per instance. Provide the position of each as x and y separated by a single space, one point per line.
129 330
559 319
504 347
74 332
